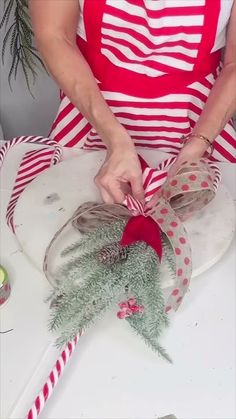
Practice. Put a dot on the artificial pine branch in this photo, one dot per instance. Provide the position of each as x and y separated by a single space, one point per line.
87 287
19 37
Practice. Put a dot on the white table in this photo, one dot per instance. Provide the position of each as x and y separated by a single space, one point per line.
201 340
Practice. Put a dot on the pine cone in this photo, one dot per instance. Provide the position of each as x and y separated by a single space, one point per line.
113 253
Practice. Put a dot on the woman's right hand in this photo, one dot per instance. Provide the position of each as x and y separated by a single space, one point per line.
120 174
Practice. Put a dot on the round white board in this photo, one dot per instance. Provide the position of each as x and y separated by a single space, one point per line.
52 197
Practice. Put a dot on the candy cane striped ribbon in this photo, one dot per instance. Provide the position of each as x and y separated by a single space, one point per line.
52 379
32 164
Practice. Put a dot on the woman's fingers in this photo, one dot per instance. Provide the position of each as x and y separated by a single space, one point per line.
106 197
111 190
153 201
137 188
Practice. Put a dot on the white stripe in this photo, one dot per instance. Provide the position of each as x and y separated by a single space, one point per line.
20 183
148 111
150 134
224 143
73 132
161 22
200 88
36 165
231 131
210 78
163 4
155 39
152 123
163 99
167 60
65 121
35 160
143 48
138 68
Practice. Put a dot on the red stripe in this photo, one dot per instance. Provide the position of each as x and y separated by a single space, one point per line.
170 11
156 129
162 118
17 186
36 156
18 193
63 355
96 146
147 138
45 391
158 66
147 42
157 178
79 136
58 367
138 20
150 105
37 404
68 127
137 51
63 113
32 174
30 415
224 134
224 153
148 178
26 169
52 378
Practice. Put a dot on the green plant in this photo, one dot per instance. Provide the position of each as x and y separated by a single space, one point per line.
19 40
87 287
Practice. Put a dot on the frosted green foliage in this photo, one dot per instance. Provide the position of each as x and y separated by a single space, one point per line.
109 233
87 287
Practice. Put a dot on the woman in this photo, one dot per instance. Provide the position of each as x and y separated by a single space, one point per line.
141 73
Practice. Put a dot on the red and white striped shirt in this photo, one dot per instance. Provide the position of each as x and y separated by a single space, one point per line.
155 62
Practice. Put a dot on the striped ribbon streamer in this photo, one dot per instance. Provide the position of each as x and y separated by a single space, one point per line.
52 379
33 163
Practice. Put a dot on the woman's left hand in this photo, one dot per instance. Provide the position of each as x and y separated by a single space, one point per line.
190 152
193 150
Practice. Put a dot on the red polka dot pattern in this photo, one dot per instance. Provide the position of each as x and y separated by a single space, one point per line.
186 261
192 177
185 282
164 211
177 251
168 308
179 299
170 233
174 182
174 224
175 291
180 272
160 220
204 184
182 240
185 187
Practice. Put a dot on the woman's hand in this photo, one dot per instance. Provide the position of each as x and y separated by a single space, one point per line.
193 150
120 174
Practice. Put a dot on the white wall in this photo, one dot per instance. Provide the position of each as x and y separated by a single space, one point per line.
20 114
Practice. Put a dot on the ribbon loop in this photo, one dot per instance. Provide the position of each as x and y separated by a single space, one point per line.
193 187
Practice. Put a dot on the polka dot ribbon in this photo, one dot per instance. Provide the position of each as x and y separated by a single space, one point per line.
193 187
